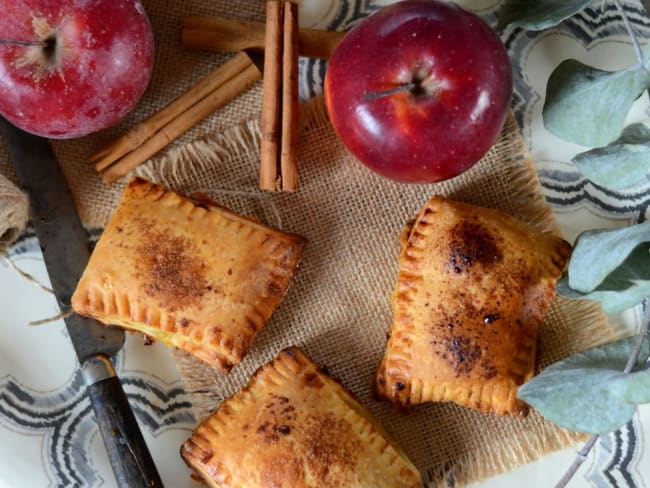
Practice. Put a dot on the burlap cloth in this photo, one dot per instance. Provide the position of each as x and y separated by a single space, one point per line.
337 309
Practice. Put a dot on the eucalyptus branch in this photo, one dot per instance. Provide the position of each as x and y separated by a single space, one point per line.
645 325
630 31
581 457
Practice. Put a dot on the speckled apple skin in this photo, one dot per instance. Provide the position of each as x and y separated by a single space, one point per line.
434 135
103 66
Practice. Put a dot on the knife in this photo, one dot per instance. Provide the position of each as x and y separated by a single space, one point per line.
66 251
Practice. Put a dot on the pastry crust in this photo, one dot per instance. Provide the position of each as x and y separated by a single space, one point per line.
293 426
194 276
473 287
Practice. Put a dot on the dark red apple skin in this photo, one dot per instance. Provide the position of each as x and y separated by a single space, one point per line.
105 64
426 137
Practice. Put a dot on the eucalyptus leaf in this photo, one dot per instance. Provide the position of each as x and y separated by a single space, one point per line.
620 164
612 301
578 393
588 106
633 388
538 14
598 253
625 287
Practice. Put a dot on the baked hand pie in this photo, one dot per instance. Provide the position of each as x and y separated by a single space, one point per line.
294 426
194 276
472 289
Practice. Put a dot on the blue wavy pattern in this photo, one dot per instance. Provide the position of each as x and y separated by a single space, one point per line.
565 188
66 420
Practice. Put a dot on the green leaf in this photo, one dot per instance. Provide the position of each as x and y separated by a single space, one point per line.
598 253
612 301
625 287
633 388
588 106
579 393
620 164
538 15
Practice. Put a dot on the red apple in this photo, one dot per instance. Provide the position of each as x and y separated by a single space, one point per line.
94 62
419 91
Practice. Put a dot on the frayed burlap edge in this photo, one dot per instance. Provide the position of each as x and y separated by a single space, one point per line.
187 162
191 160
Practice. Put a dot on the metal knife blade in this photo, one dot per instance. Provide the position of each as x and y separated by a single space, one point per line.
64 241
66 252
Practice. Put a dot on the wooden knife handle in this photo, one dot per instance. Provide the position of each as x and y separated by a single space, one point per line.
130 459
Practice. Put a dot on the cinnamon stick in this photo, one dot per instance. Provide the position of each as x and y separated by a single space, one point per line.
144 130
289 139
271 96
318 43
149 137
225 35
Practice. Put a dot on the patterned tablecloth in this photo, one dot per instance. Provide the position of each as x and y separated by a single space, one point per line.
48 436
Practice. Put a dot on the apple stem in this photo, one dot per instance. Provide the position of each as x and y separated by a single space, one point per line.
14 42
391 91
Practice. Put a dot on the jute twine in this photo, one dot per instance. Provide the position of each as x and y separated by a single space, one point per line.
14 213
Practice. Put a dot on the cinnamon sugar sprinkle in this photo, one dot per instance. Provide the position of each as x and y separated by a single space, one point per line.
331 449
173 274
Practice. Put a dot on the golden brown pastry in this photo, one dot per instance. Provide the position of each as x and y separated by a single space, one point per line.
293 426
194 276
473 286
